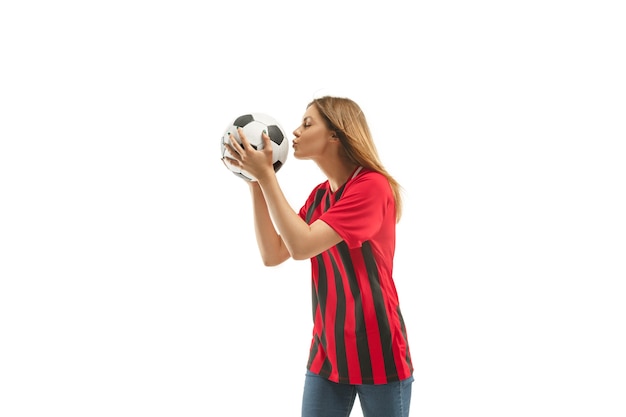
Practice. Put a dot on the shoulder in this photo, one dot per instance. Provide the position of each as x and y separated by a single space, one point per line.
371 180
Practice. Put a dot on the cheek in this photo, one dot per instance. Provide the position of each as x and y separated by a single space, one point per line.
306 145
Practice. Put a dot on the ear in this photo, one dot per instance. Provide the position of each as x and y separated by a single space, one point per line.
334 137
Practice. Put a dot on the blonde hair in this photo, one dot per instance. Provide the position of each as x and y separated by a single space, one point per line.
346 119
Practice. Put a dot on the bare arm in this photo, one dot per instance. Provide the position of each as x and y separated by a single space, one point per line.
302 241
273 250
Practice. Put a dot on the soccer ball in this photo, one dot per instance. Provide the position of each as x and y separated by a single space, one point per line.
253 125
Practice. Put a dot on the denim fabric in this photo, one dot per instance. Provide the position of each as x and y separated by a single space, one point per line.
324 398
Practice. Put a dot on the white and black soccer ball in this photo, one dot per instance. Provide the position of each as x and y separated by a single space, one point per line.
253 125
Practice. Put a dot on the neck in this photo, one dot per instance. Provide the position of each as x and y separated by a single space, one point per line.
337 173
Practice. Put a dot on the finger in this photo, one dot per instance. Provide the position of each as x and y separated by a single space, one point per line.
234 144
234 161
229 162
267 142
230 150
244 141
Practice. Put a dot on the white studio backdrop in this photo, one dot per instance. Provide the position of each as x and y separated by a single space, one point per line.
130 282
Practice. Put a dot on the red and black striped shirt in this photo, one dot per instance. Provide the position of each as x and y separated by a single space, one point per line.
359 335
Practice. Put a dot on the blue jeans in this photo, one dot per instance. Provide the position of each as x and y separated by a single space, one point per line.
324 398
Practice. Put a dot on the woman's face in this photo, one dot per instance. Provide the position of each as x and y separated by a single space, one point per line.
312 136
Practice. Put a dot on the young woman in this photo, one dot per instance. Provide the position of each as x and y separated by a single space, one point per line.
347 229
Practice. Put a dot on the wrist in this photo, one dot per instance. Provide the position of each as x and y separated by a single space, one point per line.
266 176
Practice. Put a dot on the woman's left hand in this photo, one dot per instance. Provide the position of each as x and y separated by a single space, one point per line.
257 162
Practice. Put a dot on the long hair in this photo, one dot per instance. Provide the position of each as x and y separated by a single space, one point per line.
346 119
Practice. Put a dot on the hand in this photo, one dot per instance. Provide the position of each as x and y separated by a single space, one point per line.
244 156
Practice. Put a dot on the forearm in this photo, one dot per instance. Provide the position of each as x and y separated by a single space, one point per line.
271 246
291 227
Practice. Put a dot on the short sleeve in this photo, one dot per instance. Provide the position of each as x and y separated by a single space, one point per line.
362 208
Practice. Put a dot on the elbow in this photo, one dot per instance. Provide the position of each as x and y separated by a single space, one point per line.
273 259
299 255
301 252
270 262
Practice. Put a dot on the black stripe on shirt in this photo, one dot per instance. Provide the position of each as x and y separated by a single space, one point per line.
322 294
326 368
316 202
340 322
379 306
406 339
313 352
362 345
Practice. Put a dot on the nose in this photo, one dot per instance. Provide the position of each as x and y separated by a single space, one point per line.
296 132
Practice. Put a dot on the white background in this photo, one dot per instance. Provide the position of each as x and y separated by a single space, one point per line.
130 282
